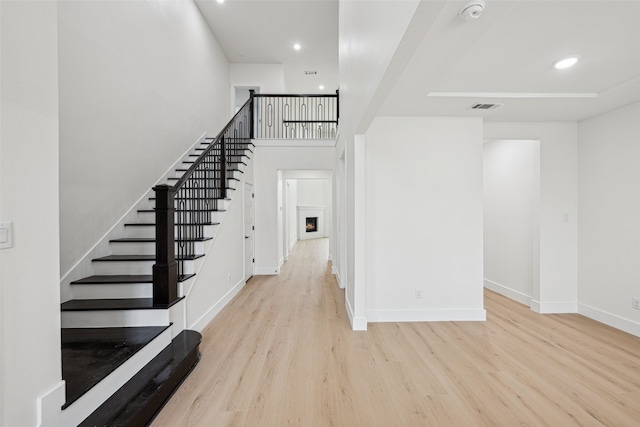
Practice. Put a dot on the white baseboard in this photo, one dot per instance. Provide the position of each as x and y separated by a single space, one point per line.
204 320
626 325
554 307
427 315
357 323
50 404
508 292
266 271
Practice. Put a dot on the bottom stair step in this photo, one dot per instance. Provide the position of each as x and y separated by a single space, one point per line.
90 354
139 400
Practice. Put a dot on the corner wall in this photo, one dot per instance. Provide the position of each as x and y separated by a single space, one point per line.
609 217
139 83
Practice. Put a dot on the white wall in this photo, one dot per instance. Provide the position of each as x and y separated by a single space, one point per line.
511 217
609 217
269 77
222 275
424 219
268 161
30 271
312 192
292 214
139 83
558 288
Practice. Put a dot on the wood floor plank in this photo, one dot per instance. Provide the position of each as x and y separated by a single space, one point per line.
282 353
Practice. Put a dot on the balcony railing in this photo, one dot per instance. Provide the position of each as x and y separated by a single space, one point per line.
295 116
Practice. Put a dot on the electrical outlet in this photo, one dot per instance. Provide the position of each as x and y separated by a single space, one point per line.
635 303
418 293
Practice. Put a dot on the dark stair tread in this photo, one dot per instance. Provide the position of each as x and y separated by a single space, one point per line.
111 304
152 240
153 224
122 279
90 354
141 398
114 258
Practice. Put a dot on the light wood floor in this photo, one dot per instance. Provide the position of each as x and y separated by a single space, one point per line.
282 354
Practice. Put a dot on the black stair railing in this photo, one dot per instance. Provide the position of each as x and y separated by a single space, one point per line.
186 208
295 116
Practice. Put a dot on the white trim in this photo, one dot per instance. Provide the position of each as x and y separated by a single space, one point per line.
554 307
626 325
515 95
266 271
427 315
508 292
207 317
294 142
132 208
49 404
357 323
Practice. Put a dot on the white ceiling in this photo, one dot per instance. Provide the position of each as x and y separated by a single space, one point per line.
264 32
506 56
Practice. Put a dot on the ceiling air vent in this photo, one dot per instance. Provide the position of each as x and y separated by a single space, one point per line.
311 73
484 106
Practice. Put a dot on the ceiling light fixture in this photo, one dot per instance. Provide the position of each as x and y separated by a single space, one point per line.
321 87
566 63
220 1
297 46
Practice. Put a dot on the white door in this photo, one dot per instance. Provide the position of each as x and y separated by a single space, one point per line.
248 230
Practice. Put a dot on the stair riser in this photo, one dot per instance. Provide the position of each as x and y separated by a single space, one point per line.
115 290
114 318
150 232
132 267
221 205
147 248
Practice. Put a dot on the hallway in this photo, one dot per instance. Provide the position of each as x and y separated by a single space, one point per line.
282 353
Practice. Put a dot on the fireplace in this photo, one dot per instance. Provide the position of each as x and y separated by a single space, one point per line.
311 224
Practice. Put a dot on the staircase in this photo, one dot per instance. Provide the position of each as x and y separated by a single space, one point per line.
123 356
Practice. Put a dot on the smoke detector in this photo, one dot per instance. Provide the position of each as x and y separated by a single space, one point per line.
471 10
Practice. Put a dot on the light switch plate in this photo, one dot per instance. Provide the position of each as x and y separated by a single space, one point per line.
6 238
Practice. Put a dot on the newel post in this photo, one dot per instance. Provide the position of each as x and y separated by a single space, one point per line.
251 118
223 168
165 270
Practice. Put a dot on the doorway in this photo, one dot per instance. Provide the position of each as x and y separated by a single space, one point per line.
249 215
241 95
306 194
512 218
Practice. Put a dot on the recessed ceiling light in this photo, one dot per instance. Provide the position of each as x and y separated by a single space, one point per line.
566 62
321 87
220 1
297 46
